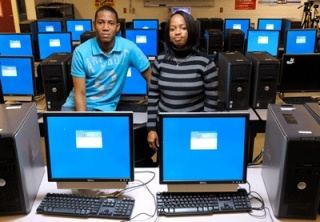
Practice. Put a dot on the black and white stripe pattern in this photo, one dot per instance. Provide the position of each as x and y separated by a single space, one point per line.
191 86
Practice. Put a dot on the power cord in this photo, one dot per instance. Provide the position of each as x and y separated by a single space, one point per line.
257 160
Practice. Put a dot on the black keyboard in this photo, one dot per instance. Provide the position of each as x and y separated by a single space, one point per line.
134 107
89 207
300 100
179 204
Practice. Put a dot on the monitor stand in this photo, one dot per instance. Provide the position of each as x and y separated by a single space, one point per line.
26 98
202 187
91 185
92 188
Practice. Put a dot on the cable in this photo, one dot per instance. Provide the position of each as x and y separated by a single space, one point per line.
257 160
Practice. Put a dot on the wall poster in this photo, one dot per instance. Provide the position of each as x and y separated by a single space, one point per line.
99 3
245 4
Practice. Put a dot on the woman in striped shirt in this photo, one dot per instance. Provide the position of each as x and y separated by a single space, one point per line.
184 79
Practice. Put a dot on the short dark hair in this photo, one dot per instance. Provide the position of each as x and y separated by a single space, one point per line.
193 31
106 8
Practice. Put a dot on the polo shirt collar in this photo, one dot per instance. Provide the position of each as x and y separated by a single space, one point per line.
96 50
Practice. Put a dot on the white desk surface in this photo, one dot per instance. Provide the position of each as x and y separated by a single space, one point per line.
145 203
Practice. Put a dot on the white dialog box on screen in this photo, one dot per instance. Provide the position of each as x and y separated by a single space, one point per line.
204 140
141 39
301 39
9 71
15 44
54 43
49 28
270 26
88 139
263 39
78 27
236 26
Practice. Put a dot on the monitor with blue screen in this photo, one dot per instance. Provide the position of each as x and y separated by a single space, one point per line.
77 27
83 153
145 23
17 77
135 84
49 26
16 44
146 40
300 41
269 24
263 41
49 42
211 150
242 24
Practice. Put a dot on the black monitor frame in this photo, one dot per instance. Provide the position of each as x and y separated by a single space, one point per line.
77 182
202 185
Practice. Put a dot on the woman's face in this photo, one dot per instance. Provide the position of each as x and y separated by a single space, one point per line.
178 31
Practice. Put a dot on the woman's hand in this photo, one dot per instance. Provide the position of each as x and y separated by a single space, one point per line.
153 140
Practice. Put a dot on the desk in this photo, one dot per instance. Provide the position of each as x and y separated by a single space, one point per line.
145 202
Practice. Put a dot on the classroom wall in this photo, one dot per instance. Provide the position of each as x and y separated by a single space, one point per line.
86 10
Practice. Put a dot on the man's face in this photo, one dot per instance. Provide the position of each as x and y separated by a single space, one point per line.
106 26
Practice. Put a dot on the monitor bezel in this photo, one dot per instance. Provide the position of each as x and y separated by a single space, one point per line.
287 31
266 31
53 33
141 20
204 184
21 97
50 20
236 19
20 34
265 19
77 20
91 182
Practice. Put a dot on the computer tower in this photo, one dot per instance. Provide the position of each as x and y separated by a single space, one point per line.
216 23
21 159
28 26
214 41
291 163
203 24
234 40
55 77
234 80
87 35
288 23
264 79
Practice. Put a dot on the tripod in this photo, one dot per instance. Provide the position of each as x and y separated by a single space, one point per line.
306 20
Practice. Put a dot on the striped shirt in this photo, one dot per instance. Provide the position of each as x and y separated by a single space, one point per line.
188 84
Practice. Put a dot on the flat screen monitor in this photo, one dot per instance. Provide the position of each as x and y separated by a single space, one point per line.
135 87
49 26
17 77
300 41
242 24
300 73
54 43
146 40
16 44
263 41
185 9
77 27
145 23
82 153
203 151
269 24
